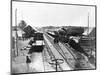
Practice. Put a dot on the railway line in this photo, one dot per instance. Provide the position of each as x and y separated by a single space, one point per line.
52 56
57 54
64 53
71 57
85 64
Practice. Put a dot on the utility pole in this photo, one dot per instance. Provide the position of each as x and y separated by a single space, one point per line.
16 38
22 15
88 33
88 24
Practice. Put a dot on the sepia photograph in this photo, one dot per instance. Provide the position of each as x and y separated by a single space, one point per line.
52 37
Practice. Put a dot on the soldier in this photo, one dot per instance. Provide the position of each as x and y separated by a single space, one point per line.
28 61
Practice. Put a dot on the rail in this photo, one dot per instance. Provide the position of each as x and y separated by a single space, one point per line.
59 49
52 56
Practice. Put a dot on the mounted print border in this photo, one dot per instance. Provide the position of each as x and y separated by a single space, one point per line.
45 37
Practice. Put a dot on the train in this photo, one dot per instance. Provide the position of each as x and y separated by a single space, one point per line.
36 39
37 43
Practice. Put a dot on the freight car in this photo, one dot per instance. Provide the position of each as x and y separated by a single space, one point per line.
37 43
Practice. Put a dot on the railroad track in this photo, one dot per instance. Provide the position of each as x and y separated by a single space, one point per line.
52 56
62 53
58 55
70 55
86 63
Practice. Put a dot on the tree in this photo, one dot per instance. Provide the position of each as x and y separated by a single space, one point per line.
74 31
22 24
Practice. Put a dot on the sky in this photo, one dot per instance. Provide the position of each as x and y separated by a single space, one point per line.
40 14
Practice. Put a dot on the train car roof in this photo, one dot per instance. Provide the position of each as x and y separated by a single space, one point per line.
28 29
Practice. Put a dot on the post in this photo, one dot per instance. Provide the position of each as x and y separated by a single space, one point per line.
16 40
88 24
56 65
56 62
88 34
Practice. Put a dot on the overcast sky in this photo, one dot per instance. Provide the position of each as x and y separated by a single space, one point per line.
40 14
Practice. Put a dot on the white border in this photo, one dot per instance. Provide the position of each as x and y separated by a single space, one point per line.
5 37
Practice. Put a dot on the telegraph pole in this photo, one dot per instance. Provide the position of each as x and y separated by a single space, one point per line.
88 34
88 24
16 38
22 15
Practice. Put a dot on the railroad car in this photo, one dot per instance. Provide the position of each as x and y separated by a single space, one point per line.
37 43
